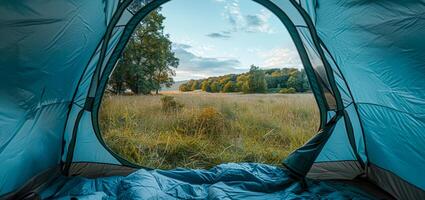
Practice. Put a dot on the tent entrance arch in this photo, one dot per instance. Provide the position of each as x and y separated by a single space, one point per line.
143 12
368 88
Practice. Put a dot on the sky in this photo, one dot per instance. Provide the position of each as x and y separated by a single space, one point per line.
217 37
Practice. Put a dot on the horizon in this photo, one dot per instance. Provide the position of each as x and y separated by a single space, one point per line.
277 68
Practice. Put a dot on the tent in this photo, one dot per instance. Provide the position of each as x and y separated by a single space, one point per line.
364 60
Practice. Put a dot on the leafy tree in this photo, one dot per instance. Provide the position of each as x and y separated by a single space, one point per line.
164 71
241 83
256 80
206 86
296 81
184 88
148 60
195 85
230 87
117 81
215 87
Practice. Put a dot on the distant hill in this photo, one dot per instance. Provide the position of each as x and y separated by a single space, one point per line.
175 86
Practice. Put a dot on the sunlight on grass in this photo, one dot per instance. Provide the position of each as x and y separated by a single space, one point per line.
207 129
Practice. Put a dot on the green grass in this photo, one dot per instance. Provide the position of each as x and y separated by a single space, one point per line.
210 128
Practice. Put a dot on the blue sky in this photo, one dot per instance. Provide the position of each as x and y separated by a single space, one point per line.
216 37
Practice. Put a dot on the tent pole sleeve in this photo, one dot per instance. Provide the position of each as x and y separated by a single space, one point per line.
351 138
71 146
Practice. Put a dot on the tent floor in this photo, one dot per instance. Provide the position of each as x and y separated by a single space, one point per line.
368 187
226 181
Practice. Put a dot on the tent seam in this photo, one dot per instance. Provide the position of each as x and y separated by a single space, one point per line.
353 102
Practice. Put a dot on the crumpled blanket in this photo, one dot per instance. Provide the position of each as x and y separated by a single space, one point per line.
225 181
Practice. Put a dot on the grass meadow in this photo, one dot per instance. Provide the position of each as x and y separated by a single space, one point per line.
201 130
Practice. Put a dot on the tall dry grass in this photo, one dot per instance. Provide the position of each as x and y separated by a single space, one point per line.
209 129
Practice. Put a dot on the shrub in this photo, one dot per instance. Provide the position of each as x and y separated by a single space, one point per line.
288 90
169 104
210 121
273 90
207 121
185 88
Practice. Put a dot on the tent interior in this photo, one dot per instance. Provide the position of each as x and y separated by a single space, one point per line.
365 64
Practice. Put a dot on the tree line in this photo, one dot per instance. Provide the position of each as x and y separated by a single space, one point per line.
285 80
148 61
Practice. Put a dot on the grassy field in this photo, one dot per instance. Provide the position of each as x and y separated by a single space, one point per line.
208 129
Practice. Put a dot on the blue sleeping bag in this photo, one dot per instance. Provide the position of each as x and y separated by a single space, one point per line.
226 181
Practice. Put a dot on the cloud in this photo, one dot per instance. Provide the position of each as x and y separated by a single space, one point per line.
280 57
258 22
222 35
181 46
252 23
234 15
193 66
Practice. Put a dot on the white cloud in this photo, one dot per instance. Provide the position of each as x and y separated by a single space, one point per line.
251 23
259 22
280 57
234 16
192 65
196 47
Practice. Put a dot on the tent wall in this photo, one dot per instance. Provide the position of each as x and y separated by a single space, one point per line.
42 57
84 129
324 148
379 48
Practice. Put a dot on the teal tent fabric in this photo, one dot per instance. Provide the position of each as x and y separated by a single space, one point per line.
226 181
44 47
364 61
379 49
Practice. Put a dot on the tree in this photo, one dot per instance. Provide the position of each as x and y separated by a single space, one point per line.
195 85
230 87
205 86
148 61
184 88
241 83
117 81
296 81
256 80
166 62
215 87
